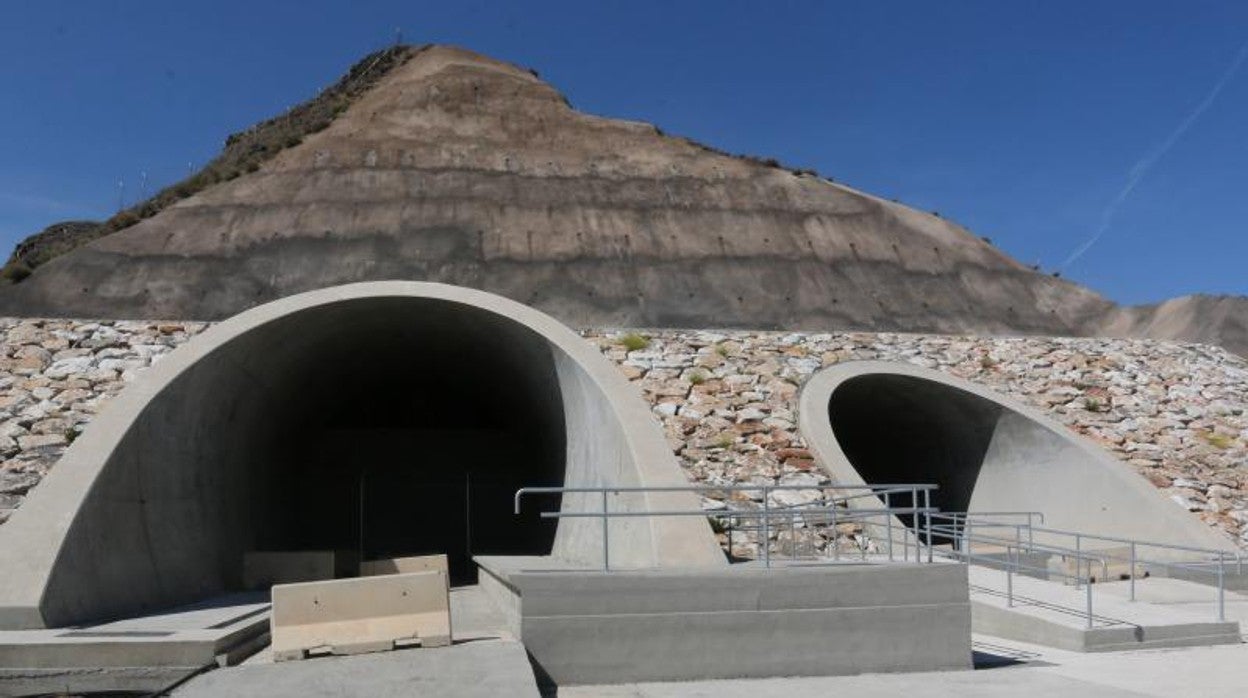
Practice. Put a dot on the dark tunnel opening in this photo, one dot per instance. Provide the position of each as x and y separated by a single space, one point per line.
404 428
901 429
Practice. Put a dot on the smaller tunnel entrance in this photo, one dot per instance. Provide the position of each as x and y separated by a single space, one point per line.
891 423
896 429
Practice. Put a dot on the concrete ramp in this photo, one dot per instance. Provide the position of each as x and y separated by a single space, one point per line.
1054 614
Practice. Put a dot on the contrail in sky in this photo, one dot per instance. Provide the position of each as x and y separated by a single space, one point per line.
1150 158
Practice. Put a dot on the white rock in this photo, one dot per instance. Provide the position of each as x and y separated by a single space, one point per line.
793 498
750 414
68 367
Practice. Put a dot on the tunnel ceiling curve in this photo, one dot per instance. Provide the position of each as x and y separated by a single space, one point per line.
882 422
384 418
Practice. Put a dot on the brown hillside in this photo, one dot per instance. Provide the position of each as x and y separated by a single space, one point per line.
458 168
1220 320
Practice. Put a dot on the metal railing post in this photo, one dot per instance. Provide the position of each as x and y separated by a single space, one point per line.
836 536
889 518
1221 589
606 545
1078 558
792 536
927 507
766 542
1132 571
905 545
1009 580
1018 545
1089 593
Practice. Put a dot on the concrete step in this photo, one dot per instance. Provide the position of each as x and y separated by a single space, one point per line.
1054 614
146 653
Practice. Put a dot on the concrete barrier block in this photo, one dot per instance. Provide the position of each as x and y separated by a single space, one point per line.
368 614
403 565
265 568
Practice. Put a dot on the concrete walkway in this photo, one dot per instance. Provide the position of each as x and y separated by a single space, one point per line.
1209 672
1055 614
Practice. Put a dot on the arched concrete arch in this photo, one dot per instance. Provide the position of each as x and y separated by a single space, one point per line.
238 439
883 422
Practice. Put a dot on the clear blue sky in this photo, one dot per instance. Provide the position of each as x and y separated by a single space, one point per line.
1023 121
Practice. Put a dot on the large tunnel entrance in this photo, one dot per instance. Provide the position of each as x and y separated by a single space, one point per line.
380 420
400 427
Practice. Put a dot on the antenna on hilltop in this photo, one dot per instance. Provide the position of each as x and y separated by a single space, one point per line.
142 184
121 194
398 36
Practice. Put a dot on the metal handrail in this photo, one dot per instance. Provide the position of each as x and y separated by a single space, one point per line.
962 525
828 507
1031 547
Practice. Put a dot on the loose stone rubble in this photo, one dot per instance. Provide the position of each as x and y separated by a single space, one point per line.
55 375
1178 413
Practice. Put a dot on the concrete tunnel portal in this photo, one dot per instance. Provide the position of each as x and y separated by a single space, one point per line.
404 427
947 433
883 422
381 419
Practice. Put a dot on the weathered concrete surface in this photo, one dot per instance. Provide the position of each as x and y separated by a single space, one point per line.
466 170
355 616
986 451
146 653
263 569
589 627
403 565
480 669
158 499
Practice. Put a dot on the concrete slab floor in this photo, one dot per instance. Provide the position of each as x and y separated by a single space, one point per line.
1020 669
478 668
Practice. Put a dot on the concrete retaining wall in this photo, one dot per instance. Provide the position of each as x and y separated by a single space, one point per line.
623 627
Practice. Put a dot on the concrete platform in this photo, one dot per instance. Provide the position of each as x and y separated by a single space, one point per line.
584 626
1053 614
1027 671
146 653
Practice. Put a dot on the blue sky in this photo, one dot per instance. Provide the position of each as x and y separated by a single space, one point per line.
1024 121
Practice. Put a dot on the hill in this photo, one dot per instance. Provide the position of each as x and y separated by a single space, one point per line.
451 166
